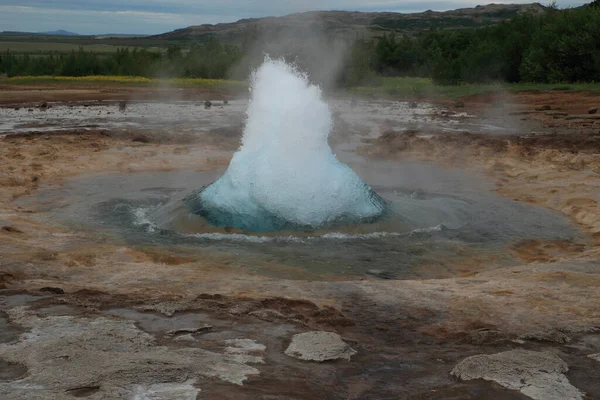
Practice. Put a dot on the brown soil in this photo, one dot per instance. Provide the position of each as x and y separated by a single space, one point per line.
13 95
409 334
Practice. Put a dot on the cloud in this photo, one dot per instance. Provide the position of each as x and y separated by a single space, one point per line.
156 16
37 19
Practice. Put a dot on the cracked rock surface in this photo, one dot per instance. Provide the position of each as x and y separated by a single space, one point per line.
66 353
538 375
319 346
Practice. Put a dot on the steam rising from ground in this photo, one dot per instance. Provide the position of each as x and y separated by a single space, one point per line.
285 175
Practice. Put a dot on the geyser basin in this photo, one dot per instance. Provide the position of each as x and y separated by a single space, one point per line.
441 222
285 175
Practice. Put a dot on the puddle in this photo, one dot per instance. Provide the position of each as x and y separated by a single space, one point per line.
16 300
11 371
156 323
8 332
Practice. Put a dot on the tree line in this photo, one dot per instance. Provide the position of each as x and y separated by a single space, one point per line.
558 46
211 59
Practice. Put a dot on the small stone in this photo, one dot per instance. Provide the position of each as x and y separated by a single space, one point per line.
459 104
141 139
185 338
207 104
319 346
189 331
123 106
225 102
381 274
53 290
593 110
11 229
547 336
412 104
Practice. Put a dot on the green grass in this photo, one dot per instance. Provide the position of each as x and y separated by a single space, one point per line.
50 47
424 87
136 81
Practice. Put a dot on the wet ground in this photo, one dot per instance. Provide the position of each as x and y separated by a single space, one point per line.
112 291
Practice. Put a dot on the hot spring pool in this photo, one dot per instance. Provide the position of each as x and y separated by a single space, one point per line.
441 220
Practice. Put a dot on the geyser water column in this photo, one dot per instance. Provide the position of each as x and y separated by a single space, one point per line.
285 175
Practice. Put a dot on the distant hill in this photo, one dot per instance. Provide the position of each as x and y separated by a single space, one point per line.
59 33
118 36
353 23
52 33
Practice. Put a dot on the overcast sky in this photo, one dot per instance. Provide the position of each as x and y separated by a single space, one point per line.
158 16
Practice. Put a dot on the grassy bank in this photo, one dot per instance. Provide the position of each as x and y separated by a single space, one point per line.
126 81
425 88
47 48
410 88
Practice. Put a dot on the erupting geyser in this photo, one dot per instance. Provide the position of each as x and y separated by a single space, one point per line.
285 175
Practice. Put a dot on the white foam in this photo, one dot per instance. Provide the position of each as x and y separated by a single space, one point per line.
285 167
333 236
141 217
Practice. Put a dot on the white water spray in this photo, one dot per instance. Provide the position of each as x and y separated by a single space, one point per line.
285 174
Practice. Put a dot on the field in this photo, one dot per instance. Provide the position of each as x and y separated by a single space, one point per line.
425 88
55 47
422 88
134 81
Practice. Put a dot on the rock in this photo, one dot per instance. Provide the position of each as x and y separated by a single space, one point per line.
592 110
185 331
83 391
245 351
123 106
43 106
538 375
595 357
544 108
459 104
268 315
547 336
10 229
319 346
207 104
584 116
412 104
112 353
53 290
141 139
381 274
225 102
166 391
